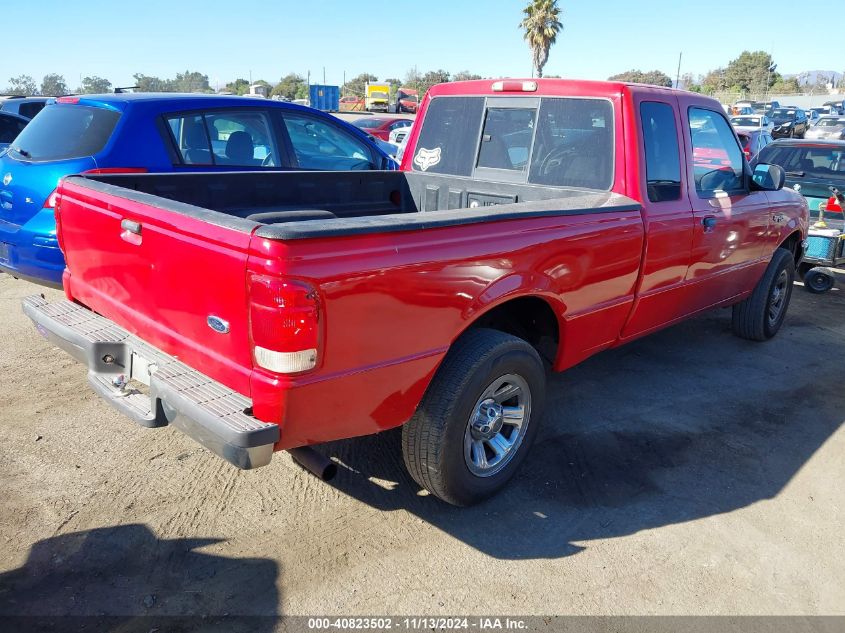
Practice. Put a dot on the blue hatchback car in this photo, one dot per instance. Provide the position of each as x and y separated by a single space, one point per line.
155 132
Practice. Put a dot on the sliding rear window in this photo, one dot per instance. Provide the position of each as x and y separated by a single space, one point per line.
62 132
555 141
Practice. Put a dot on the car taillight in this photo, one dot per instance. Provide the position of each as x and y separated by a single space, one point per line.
833 205
67 100
284 321
52 199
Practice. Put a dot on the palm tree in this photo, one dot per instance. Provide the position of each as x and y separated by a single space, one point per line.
541 26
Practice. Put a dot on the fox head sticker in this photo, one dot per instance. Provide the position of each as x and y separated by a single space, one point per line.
426 158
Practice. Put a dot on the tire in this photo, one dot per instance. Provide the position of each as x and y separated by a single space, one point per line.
818 282
759 317
442 447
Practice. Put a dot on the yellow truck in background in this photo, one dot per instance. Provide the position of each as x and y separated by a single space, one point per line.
376 97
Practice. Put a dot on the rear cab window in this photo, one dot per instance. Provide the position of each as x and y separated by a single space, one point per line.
62 132
558 141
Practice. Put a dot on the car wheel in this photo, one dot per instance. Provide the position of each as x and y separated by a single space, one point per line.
478 418
818 282
759 317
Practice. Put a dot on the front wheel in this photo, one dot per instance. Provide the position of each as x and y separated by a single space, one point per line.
759 317
477 419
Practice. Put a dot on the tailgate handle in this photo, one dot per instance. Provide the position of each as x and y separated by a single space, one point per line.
131 231
131 226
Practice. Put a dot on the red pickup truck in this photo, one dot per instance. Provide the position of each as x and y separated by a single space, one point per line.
534 224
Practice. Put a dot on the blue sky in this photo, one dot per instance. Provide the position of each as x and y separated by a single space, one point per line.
228 39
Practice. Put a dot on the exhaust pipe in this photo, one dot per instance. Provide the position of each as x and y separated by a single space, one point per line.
314 462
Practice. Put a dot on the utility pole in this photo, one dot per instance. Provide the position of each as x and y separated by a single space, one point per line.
678 74
324 75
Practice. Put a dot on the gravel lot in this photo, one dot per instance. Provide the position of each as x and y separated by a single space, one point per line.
687 473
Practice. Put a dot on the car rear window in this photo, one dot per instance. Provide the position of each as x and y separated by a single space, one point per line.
62 132
807 162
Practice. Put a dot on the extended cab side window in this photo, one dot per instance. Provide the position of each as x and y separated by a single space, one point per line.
716 155
662 152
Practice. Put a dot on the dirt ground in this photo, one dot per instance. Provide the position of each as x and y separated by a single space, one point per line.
687 473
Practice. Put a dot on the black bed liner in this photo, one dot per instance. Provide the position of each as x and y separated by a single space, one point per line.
360 201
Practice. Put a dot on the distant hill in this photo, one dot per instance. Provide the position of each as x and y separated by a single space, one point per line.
811 77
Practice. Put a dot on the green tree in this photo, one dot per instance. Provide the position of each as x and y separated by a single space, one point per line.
786 86
94 85
541 25
238 87
146 83
191 82
355 86
652 77
53 85
465 75
290 86
22 85
751 72
394 83
432 78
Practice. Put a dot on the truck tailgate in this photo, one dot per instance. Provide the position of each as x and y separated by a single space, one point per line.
177 281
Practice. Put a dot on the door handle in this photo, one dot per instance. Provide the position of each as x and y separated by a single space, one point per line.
709 222
130 231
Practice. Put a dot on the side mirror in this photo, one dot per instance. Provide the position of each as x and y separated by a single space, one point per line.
768 177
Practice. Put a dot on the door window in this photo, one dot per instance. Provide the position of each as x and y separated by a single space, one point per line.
662 152
10 127
234 138
717 158
319 144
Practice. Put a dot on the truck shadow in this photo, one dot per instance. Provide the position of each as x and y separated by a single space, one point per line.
123 578
685 424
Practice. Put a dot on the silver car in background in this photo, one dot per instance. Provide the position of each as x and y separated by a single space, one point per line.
829 127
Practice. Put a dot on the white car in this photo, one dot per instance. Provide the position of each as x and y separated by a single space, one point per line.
751 122
399 137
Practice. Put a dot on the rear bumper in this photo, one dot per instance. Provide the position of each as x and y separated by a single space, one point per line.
32 251
200 407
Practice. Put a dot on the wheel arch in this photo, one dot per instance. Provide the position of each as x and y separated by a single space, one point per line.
792 243
532 317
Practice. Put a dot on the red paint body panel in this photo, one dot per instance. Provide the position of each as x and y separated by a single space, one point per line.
182 268
391 304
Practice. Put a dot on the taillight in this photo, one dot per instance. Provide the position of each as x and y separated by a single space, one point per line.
52 199
284 321
67 100
833 205
53 202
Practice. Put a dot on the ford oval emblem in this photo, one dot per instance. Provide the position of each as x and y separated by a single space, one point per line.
7 179
217 324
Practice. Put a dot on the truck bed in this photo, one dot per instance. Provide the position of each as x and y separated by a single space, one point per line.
297 205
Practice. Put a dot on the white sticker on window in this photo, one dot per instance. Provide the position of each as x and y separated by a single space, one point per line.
426 158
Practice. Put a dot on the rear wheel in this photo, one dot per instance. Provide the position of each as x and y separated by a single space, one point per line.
477 419
818 281
759 317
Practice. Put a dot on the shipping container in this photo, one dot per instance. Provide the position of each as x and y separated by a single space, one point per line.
326 98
